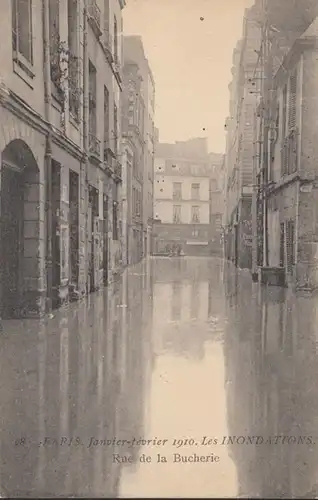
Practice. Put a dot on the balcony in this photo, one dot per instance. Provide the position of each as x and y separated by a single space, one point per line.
109 159
94 17
107 43
118 71
118 170
289 153
94 146
177 196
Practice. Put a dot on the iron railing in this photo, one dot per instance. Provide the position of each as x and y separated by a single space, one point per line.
95 17
94 145
107 42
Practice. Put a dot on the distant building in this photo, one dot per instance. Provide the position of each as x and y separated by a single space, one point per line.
182 198
134 54
133 164
240 146
217 201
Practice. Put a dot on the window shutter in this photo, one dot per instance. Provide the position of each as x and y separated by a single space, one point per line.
292 101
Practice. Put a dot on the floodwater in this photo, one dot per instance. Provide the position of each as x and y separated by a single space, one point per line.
184 379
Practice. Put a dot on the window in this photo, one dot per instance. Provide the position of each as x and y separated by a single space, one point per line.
176 214
195 191
106 116
106 15
195 214
290 245
218 222
73 61
284 112
282 245
22 29
55 48
177 191
115 40
115 129
214 185
115 213
292 96
92 100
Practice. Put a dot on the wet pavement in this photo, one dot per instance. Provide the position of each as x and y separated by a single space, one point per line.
184 379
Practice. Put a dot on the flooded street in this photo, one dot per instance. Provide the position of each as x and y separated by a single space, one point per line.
185 379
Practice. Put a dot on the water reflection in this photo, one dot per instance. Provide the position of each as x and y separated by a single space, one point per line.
186 398
272 368
65 380
178 348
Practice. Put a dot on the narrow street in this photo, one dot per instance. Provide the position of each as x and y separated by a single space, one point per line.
179 349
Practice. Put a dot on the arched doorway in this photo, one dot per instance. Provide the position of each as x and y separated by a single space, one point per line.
19 228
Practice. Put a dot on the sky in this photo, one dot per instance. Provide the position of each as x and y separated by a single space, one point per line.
191 60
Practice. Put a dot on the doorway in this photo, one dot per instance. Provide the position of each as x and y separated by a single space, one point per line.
11 242
19 232
105 240
56 251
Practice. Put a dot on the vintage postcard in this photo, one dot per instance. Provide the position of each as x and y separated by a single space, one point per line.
158 248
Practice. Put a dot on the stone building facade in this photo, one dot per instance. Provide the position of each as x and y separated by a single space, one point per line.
134 53
133 119
240 147
60 156
182 205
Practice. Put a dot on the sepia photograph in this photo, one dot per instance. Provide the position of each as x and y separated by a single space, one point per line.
159 249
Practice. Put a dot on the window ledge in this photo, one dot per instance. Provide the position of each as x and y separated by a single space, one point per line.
74 121
23 69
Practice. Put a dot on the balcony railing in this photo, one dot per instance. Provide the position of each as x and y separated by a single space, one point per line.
289 153
73 83
109 156
118 169
107 42
94 17
118 70
94 145
177 196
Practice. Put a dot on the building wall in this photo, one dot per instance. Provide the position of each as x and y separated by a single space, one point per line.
185 163
244 91
24 82
134 52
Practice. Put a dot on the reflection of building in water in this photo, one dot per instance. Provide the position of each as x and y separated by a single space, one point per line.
191 300
271 369
74 385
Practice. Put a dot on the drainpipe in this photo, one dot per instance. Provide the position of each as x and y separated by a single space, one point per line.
84 167
48 152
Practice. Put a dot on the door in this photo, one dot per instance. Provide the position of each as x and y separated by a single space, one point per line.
56 251
90 249
11 242
105 240
282 245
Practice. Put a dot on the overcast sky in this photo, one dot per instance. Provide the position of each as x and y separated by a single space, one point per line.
191 61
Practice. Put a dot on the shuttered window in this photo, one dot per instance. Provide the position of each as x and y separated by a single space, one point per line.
292 96
284 112
290 245
282 245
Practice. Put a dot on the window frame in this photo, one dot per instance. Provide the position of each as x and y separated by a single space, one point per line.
195 217
27 65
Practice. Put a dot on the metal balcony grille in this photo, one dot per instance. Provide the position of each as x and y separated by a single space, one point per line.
94 145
